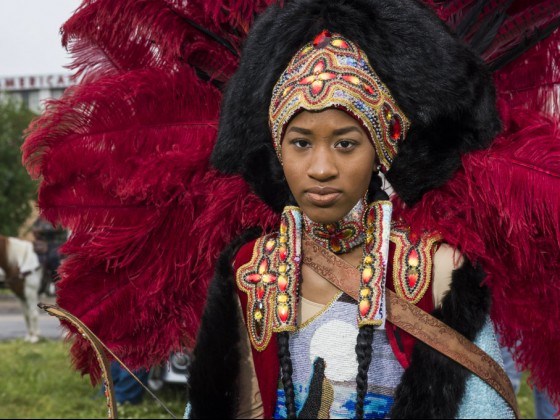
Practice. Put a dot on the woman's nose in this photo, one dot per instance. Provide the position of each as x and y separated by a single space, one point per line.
322 165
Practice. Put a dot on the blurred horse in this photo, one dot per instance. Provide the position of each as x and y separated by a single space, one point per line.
23 273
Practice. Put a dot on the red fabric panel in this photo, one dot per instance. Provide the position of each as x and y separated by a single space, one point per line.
402 342
266 362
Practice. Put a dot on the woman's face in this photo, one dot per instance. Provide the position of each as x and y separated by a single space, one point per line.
328 162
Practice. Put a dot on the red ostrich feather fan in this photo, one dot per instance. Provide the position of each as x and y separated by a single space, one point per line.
123 161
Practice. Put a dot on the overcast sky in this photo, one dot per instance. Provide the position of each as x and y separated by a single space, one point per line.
30 42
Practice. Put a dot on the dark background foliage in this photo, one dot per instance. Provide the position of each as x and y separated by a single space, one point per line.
17 190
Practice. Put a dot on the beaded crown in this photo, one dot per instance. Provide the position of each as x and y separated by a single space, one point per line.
333 72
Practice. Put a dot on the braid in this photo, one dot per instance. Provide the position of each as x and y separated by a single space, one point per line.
286 365
363 351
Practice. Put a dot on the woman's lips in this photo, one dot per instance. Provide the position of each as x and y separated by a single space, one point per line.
322 197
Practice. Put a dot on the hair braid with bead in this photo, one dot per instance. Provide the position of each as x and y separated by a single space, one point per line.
286 366
364 340
363 352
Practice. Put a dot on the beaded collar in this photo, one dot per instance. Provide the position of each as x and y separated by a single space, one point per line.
342 236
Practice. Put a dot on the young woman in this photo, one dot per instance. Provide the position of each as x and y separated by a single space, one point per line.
287 335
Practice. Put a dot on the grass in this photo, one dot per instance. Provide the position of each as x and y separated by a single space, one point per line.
5 291
525 399
38 382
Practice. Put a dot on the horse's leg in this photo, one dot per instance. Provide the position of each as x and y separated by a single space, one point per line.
31 291
25 309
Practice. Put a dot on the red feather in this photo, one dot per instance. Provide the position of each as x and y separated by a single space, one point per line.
503 210
517 28
124 161
533 81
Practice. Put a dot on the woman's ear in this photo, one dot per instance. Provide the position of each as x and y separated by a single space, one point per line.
375 190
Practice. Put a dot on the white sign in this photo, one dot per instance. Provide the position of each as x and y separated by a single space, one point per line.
53 81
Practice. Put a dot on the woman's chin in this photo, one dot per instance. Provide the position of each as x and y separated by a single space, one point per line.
324 215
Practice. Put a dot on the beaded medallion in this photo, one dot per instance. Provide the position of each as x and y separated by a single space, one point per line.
342 236
259 283
412 262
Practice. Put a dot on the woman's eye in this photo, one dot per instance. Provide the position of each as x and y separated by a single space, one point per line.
345 144
300 143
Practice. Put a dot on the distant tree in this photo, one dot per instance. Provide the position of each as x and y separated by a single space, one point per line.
17 189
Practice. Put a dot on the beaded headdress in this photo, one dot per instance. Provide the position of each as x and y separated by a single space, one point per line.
333 72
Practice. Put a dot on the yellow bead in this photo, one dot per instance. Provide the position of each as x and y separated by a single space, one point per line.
270 245
282 298
367 274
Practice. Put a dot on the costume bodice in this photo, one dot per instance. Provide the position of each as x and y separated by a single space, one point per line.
409 275
325 367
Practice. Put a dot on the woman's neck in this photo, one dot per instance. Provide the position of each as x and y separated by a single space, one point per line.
342 236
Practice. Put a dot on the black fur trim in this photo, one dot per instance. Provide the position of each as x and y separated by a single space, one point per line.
442 86
215 365
433 385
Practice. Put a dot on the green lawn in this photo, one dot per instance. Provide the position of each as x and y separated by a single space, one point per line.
38 382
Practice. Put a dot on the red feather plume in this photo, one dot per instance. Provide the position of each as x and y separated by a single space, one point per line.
124 162
123 159
502 210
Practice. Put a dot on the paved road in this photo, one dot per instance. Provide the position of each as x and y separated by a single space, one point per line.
12 323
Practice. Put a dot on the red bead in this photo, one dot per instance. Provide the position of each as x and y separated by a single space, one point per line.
260 291
316 87
364 307
336 245
369 89
254 278
263 267
283 312
396 129
283 253
413 259
412 280
319 67
268 278
352 79
322 40
367 274
282 283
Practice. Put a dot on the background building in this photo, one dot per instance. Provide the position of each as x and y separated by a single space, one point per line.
32 91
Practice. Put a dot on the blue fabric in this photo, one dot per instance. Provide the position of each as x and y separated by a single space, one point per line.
481 401
126 387
188 408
